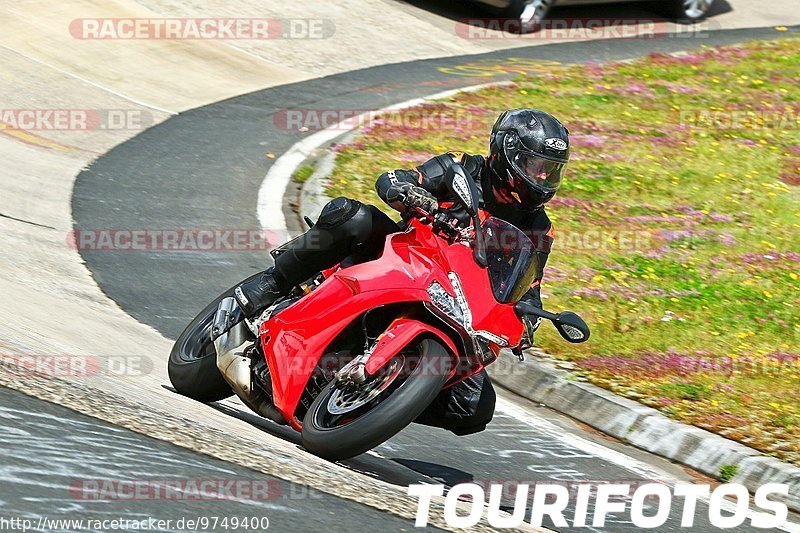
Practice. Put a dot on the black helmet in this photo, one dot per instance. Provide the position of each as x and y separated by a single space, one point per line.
528 151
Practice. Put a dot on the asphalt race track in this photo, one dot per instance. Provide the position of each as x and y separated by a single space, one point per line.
87 450
202 169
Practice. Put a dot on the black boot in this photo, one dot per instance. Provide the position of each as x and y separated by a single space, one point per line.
258 294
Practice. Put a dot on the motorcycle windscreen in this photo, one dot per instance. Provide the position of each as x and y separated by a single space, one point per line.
513 265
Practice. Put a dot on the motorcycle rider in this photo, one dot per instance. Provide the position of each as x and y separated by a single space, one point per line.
528 151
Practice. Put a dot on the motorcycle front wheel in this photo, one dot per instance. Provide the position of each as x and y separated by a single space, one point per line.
346 420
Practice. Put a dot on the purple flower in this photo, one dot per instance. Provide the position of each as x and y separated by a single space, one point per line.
726 238
589 140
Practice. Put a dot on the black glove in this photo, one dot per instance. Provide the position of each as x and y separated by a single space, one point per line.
411 196
460 215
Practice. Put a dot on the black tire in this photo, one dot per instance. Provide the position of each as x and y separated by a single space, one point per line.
519 9
677 11
192 366
385 419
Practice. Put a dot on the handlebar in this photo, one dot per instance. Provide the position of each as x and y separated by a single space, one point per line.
440 220
528 309
463 188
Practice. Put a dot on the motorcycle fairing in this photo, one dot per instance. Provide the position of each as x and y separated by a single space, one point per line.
398 335
295 339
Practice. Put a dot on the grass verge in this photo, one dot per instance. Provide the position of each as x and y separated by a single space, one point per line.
302 174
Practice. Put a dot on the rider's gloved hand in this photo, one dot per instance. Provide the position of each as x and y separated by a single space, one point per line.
411 196
460 217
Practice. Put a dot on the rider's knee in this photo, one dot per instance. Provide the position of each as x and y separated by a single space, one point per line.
346 218
337 212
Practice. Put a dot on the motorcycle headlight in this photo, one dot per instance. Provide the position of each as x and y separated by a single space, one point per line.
455 308
458 309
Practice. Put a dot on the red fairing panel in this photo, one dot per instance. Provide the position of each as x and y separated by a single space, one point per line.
297 337
400 333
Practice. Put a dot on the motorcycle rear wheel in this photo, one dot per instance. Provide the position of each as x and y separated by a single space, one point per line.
332 432
192 366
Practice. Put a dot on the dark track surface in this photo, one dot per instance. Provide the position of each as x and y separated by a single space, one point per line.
87 452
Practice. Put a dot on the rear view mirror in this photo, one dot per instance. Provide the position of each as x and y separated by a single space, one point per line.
572 327
462 187
569 325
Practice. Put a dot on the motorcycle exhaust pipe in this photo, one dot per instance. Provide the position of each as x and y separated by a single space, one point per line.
234 364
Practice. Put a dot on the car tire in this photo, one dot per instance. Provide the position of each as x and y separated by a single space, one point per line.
689 11
530 13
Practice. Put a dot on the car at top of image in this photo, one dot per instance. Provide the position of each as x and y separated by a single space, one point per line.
530 13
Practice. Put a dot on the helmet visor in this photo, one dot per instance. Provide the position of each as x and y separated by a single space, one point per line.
539 171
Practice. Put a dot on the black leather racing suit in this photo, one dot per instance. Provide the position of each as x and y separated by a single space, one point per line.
430 176
348 230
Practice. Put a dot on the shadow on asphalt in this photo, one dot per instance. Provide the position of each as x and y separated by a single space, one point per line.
400 472
447 475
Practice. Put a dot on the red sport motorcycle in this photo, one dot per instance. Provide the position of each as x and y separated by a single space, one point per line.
353 356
